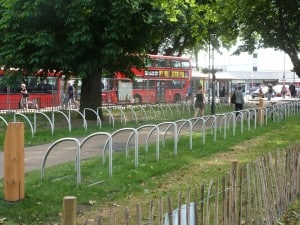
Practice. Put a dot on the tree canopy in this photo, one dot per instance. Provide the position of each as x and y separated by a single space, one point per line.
84 37
90 37
263 24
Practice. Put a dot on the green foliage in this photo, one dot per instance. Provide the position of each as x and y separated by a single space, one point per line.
85 37
263 24
12 80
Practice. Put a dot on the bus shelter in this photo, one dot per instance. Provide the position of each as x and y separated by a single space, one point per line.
224 84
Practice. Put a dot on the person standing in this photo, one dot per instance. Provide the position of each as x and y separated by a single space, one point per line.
199 102
283 91
292 88
270 92
25 96
260 92
239 99
70 95
189 93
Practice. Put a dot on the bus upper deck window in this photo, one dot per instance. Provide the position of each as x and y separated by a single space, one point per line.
150 62
161 63
175 64
185 64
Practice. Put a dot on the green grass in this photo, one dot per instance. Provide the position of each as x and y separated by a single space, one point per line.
43 200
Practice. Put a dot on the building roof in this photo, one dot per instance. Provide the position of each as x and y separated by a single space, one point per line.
287 76
226 76
259 76
219 75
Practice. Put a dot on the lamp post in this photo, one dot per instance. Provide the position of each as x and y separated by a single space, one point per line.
213 72
209 69
283 76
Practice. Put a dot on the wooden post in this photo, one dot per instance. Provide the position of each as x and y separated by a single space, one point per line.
69 211
261 112
14 162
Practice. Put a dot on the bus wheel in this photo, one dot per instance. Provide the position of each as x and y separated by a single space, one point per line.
177 98
137 99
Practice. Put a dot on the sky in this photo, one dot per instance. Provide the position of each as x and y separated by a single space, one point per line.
267 60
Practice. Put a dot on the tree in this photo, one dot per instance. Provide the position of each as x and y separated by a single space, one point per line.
84 37
263 24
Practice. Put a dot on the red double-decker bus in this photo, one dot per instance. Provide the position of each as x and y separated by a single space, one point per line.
43 88
164 79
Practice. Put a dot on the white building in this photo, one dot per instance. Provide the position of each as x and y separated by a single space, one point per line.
263 67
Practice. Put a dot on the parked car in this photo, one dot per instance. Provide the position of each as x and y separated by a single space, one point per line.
255 93
278 88
250 90
298 92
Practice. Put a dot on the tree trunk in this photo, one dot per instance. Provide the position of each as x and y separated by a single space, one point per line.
91 94
296 62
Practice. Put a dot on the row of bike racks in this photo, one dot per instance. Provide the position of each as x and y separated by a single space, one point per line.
224 122
278 111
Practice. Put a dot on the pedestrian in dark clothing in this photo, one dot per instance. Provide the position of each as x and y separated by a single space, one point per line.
199 102
239 99
270 92
292 88
70 96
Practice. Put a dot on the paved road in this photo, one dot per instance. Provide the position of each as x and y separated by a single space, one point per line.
32 158
66 151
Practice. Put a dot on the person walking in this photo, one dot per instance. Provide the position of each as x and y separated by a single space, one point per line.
239 100
199 102
25 96
70 95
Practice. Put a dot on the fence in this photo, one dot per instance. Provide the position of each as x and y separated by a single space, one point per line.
256 193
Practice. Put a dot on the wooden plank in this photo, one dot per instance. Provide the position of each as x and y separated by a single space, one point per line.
138 215
202 205
170 210
126 216
179 208
224 202
216 217
151 213
196 207
188 208
240 205
248 213
161 211
233 185
208 202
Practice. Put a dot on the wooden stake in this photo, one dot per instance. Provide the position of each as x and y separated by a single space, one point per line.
261 112
69 211
14 162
